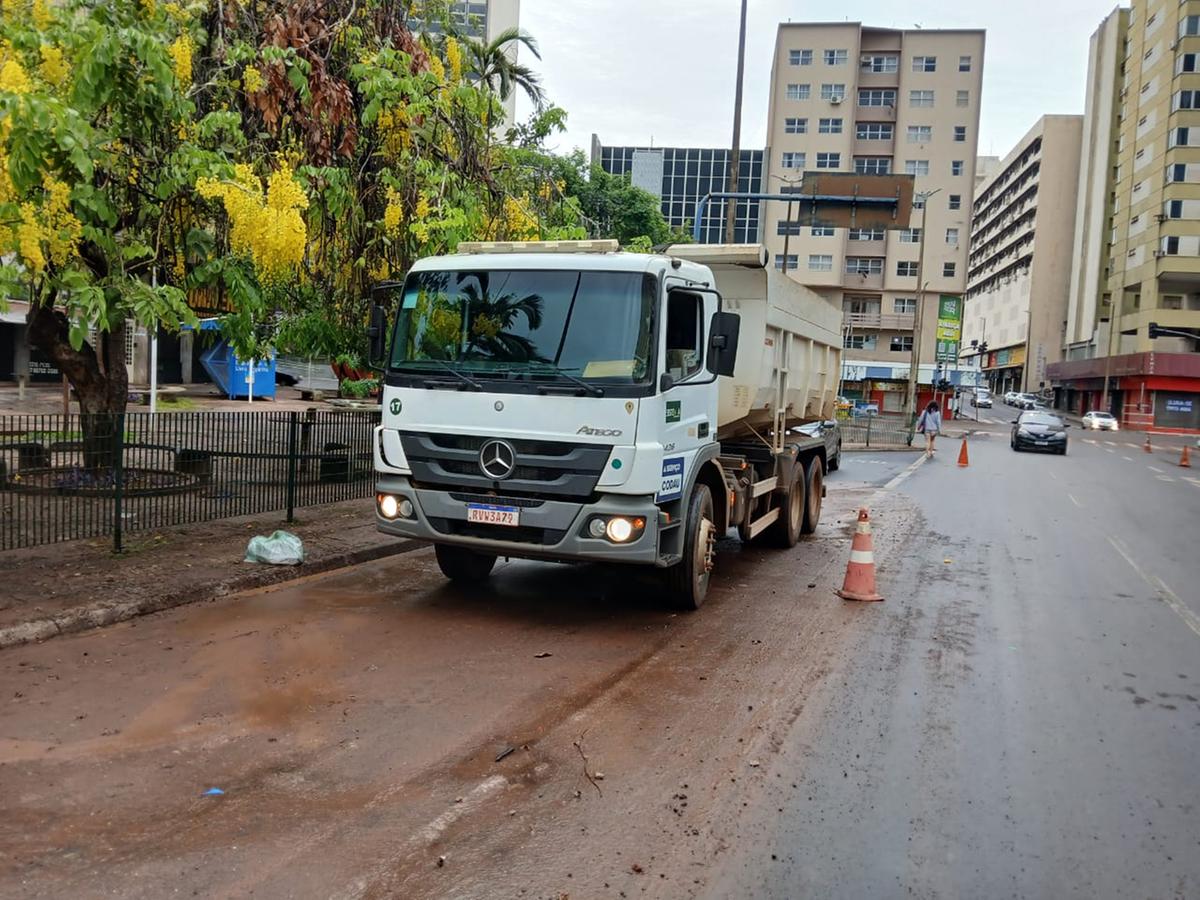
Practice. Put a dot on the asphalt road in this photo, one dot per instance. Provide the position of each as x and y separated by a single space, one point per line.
1021 717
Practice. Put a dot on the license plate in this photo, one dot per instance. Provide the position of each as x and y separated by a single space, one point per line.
1042 443
493 515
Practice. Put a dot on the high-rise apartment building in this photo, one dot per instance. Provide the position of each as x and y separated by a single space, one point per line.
1138 237
850 98
681 176
1019 269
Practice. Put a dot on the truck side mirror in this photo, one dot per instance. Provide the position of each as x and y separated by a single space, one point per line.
377 332
723 342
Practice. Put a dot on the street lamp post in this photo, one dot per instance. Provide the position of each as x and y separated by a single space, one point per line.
915 365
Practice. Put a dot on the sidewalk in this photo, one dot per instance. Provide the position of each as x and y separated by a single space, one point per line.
47 399
62 588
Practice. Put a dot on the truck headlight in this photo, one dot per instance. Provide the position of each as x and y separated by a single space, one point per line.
619 529
616 529
389 506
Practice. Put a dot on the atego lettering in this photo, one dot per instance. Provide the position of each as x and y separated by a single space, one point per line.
600 432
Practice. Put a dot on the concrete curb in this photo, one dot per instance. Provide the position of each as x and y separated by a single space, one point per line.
98 615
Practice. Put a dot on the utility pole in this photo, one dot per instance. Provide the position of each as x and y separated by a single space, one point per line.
915 366
787 234
735 152
1112 324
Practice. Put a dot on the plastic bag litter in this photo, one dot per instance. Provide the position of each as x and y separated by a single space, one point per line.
280 549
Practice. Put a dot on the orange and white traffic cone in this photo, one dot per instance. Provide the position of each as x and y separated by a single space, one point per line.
1146 446
860 571
962 455
1185 459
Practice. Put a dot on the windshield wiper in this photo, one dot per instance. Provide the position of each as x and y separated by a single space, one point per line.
592 389
466 379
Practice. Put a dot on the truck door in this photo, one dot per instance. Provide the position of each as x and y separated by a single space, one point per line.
689 406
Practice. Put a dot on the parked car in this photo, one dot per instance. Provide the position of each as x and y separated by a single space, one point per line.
982 399
1100 421
832 433
1010 397
1026 401
1037 430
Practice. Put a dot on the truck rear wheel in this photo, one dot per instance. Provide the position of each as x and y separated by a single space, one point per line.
814 488
786 530
687 580
461 564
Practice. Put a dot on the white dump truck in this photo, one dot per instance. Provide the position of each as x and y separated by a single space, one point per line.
567 401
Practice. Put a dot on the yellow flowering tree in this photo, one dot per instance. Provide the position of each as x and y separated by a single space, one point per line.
101 143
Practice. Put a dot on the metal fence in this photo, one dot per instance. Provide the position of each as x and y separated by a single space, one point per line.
877 431
68 477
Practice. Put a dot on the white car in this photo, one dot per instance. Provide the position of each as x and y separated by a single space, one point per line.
1100 421
1010 397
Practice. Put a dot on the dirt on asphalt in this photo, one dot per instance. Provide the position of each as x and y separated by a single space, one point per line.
377 732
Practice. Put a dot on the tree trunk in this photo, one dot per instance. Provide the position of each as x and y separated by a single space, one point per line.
101 382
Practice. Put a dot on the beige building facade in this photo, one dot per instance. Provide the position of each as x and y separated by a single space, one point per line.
847 97
1138 238
1019 268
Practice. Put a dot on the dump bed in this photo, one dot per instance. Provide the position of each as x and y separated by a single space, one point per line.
790 348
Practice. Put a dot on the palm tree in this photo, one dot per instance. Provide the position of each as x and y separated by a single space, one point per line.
494 64
496 340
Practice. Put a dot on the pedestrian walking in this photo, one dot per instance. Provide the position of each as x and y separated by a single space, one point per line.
930 424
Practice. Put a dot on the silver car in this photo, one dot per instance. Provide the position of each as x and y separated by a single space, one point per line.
1100 421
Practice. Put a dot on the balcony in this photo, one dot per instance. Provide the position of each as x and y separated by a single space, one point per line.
869 79
890 321
864 147
874 113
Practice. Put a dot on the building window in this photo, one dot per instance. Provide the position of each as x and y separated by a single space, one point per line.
793 160
960 133
864 265
920 98
867 234
797 91
956 167
1189 25
1177 137
829 160
955 201
880 64
792 261
820 262
1187 63
1171 245
873 131
868 97
962 98
910 235
924 63
830 126
906 269
1175 209
964 64
793 125
821 231
836 57
1177 172
919 134
904 306
952 236
800 57
783 226
948 270
1184 100
859 341
833 91
901 343
916 167
918 201
873 165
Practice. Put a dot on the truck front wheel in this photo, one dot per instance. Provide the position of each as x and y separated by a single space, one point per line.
687 580
461 564
814 489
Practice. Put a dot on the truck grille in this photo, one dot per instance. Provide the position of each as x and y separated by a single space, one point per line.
557 469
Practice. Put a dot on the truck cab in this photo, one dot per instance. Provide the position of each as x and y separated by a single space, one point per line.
559 402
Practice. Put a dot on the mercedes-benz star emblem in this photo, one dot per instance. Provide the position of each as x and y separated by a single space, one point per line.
497 460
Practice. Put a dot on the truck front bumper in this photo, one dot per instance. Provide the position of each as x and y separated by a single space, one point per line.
548 529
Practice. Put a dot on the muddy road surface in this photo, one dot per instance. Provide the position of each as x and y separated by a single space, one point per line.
377 732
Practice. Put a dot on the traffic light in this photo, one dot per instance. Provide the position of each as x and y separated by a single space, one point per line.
1154 330
983 347
943 385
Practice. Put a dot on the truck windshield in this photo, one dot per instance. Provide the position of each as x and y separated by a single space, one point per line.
548 324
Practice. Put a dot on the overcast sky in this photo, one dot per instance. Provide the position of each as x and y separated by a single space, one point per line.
636 71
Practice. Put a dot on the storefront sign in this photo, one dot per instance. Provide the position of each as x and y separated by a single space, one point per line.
1178 405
